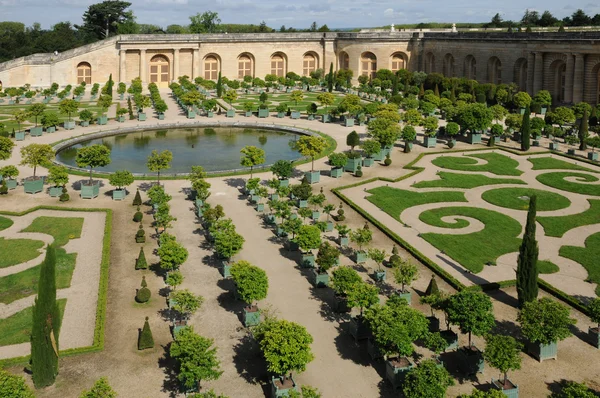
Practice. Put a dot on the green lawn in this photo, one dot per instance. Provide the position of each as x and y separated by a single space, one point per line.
557 180
285 98
496 163
557 226
23 284
17 251
5 223
16 329
556 164
465 181
474 251
394 201
547 267
586 256
7 110
518 199
59 227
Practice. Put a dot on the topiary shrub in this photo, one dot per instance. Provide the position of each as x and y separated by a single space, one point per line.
340 213
358 172
395 259
138 216
387 160
145 339
64 197
3 188
137 200
140 262
140 236
143 294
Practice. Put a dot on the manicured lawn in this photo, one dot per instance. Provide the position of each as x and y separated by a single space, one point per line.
557 226
16 329
547 267
586 256
284 98
59 227
557 180
5 223
518 199
7 110
474 251
17 251
557 164
465 181
496 163
23 284
394 201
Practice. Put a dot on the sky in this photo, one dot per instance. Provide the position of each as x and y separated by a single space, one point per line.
334 13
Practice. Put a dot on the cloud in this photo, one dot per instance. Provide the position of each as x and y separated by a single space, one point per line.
390 13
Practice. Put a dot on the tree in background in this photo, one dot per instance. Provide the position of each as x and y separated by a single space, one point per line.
34 155
159 161
527 272
207 22
526 131
46 325
252 156
219 86
103 20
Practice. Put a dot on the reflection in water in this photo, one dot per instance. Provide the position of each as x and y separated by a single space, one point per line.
215 149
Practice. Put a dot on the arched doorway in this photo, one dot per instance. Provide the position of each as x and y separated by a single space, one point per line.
470 71
429 63
344 60
448 69
160 70
494 71
520 73
368 62
84 73
558 69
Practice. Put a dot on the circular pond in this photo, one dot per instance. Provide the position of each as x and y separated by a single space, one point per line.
215 149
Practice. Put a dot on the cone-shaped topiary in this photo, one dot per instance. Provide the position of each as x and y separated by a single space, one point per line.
145 339
46 325
138 216
143 294
140 236
432 288
137 201
140 262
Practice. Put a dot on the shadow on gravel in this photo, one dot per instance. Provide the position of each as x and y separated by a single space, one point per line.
248 360
350 349
169 367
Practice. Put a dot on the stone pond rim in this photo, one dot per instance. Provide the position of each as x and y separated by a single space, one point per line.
67 143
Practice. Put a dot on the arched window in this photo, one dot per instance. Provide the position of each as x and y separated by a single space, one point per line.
470 71
159 69
494 71
344 60
429 63
448 69
278 65
84 73
368 62
245 66
211 67
520 73
398 62
309 64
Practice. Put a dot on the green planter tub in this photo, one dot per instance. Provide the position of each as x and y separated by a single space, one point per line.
325 118
571 152
405 295
509 389
474 138
225 269
360 257
33 185
295 115
380 275
316 214
36 131
434 324
69 125
20 136
302 203
340 304
11 184
542 352
344 241
263 113
313 176
102 120
51 129
308 260
230 113
358 328
592 155
396 370
471 360
451 338
352 164
84 123
119 194
281 386
594 336
319 279
191 114
121 119
141 117
554 146
55 191
349 122
368 162
374 350
90 191
161 116
251 316
260 207
248 113
429 142
280 115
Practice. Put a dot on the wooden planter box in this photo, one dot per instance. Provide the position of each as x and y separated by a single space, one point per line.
230 113
313 176
308 260
509 389
396 370
340 304
336 172
36 131
251 316
360 257
280 115
344 241
373 350
51 129
325 118
210 114
329 226
594 336
90 191
542 352
69 125
280 232
368 162
20 136
12 184
474 138
319 279
434 324
349 122
248 113
471 360
316 215
380 275
429 142
102 120
119 194
84 123
359 329
554 146
284 182
263 113
451 338
406 295
592 155
352 164
161 116
177 326
311 117
281 386
121 119
274 197
270 219
225 269
55 192
33 186
295 115
379 156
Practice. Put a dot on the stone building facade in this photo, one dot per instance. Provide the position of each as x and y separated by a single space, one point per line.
566 64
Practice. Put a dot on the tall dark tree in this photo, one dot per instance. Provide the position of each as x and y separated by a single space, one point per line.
102 20
526 131
395 85
46 325
330 78
583 131
219 86
527 272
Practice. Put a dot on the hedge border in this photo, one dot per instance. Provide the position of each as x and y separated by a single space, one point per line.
99 328
557 293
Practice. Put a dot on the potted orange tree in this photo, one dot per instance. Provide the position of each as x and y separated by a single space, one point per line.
251 285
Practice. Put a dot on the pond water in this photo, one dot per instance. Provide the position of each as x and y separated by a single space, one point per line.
215 149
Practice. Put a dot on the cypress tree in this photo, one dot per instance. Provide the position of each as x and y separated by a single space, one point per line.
394 85
46 325
137 201
219 86
525 131
330 78
583 131
432 288
527 272
145 339
141 262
